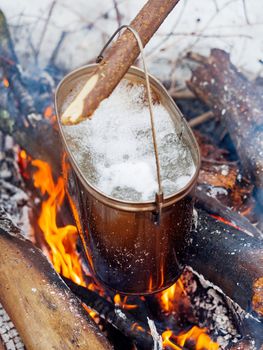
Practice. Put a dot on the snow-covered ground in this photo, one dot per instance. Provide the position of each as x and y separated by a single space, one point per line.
234 25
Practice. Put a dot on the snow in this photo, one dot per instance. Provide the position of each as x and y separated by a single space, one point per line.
192 25
114 149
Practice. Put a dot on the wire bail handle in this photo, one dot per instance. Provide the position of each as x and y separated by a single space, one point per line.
159 195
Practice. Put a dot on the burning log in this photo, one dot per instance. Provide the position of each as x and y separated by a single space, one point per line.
214 206
28 128
45 312
238 103
117 61
230 259
138 332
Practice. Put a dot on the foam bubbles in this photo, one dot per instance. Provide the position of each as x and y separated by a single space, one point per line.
114 149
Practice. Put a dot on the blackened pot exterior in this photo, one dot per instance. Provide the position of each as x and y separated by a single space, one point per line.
125 247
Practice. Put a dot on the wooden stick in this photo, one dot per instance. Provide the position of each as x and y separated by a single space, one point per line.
183 94
201 119
43 309
117 61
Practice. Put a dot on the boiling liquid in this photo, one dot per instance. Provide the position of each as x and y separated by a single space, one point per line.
114 150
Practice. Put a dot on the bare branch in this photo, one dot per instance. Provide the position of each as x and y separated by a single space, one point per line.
118 14
45 28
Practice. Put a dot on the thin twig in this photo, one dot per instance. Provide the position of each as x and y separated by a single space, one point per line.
57 48
45 28
172 30
201 119
183 94
196 57
217 36
216 5
118 14
245 11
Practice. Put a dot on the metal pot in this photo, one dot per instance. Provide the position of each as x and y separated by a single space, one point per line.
127 248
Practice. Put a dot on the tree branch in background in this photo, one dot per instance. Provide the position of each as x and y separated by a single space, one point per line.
120 56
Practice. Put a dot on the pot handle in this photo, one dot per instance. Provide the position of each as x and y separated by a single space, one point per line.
159 195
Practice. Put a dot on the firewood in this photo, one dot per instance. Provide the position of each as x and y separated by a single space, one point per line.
137 331
43 309
117 61
29 129
201 119
238 103
230 259
214 206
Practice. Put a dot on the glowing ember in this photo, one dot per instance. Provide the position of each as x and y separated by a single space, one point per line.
219 218
49 114
6 83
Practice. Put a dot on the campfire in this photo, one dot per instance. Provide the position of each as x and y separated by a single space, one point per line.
49 295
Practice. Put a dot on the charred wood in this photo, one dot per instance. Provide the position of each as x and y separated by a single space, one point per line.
238 103
138 332
214 206
43 309
230 259
30 130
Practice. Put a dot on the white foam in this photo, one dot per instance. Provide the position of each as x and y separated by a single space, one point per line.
115 152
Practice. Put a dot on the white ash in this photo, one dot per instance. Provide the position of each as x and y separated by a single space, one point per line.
8 333
114 149
13 198
157 338
195 219
120 313
216 191
211 308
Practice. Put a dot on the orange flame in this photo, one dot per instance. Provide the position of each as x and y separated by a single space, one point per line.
123 303
167 335
61 240
6 83
169 295
168 299
63 254
195 334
